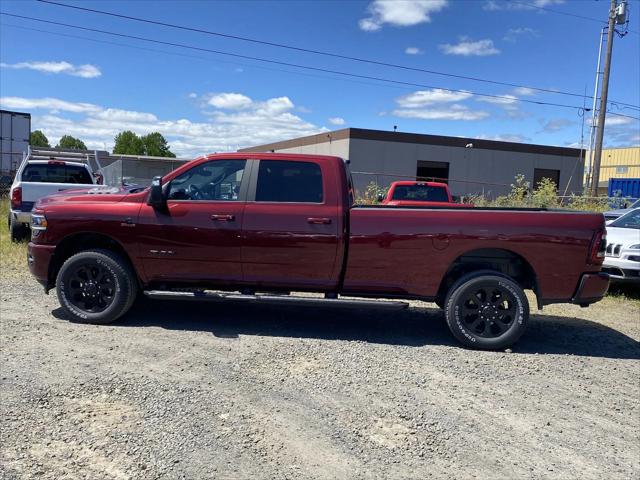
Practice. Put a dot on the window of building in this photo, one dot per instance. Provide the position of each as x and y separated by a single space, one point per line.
284 181
540 173
622 170
433 171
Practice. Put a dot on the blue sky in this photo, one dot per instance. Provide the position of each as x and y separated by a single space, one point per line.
94 86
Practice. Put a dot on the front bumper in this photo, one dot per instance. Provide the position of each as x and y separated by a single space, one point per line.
591 289
39 258
622 269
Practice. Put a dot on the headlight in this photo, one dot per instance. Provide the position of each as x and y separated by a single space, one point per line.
38 222
635 247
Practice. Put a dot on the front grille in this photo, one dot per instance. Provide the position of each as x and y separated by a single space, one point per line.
613 250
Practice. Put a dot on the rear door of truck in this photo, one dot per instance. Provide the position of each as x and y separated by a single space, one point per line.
292 224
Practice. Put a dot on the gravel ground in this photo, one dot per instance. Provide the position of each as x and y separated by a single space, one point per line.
183 390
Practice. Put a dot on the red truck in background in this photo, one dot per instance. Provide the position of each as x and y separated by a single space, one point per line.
419 194
267 222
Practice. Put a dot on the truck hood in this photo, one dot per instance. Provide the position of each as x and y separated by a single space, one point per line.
623 236
98 193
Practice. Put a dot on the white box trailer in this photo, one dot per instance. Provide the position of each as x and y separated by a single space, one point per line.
15 130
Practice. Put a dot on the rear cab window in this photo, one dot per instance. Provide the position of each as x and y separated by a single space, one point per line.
56 173
420 193
288 181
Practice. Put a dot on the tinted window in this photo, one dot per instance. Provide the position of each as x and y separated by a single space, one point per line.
420 193
284 181
55 173
216 180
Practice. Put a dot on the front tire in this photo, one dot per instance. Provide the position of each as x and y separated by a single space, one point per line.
96 286
487 310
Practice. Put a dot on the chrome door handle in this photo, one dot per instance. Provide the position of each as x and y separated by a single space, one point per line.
319 220
223 218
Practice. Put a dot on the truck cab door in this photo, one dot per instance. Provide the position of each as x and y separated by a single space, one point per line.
196 238
292 226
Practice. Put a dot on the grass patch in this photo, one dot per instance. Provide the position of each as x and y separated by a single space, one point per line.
13 256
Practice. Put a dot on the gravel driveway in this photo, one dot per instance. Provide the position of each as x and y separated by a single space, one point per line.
184 390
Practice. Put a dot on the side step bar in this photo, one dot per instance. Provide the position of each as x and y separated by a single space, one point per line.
275 299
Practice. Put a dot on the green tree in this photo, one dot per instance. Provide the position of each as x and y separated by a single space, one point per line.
68 141
155 145
39 139
128 143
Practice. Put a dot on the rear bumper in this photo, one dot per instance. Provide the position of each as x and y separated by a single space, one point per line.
592 288
39 258
21 217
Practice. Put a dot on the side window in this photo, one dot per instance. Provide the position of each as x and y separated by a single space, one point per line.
215 180
285 181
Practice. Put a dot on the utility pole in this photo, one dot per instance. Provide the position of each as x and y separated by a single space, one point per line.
616 15
594 122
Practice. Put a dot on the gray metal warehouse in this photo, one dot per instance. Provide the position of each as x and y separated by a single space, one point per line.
469 165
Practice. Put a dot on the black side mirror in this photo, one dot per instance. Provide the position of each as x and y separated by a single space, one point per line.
156 197
380 197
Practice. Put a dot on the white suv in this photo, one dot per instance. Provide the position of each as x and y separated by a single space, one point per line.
622 256
36 179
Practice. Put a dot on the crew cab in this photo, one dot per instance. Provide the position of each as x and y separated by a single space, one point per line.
36 179
259 226
419 194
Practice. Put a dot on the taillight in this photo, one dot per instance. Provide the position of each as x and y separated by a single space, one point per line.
16 198
598 247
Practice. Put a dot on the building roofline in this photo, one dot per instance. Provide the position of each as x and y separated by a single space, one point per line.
15 113
420 138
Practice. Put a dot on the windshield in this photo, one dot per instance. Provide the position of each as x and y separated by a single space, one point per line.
628 220
635 204
56 173
420 193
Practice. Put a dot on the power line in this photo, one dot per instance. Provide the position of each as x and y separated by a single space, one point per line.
560 12
318 52
179 54
307 67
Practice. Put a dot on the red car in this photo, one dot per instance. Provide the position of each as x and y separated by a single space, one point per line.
419 194
253 223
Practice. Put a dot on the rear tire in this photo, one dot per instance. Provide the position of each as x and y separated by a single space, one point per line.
17 231
96 286
486 310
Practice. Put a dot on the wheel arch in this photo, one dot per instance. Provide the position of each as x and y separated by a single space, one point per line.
501 260
82 241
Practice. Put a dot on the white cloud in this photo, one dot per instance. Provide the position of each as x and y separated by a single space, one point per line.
230 101
496 5
556 124
514 33
502 100
422 98
613 120
453 112
506 137
524 91
47 103
336 121
193 95
83 71
413 51
235 125
399 13
117 115
466 47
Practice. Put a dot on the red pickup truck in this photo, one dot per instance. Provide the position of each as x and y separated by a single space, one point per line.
277 223
419 194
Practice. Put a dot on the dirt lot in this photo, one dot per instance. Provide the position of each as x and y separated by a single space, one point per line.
179 390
